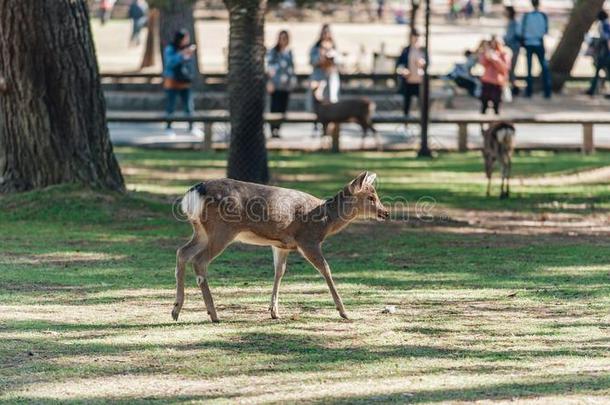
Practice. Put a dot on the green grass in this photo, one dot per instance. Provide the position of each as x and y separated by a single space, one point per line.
496 300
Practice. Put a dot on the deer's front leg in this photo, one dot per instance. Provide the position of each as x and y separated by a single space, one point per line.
314 255
280 257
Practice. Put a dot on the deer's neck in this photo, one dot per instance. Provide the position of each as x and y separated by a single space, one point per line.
337 213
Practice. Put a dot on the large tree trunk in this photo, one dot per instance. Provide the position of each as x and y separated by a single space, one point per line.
583 15
176 15
246 86
52 112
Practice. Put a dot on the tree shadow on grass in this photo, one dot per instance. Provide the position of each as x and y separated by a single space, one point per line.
571 384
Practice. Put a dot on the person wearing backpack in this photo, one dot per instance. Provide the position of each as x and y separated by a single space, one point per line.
601 52
178 75
534 26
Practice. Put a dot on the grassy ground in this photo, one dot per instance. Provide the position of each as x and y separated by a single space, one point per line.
496 300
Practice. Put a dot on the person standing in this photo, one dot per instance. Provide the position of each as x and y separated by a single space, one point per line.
178 75
138 13
534 26
410 70
105 10
323 57
282 79
496 64
602 51
512 39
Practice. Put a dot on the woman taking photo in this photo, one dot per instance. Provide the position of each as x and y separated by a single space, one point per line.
324 59
178 75
496 62
280 69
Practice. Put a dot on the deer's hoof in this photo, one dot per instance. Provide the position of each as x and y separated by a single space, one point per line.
343 315
175 312
274 313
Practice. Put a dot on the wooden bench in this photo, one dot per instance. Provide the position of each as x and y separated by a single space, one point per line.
209 118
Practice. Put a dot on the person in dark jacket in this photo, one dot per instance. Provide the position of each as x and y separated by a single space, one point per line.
282 79
602 51
138 13
178 76
512 39
410 70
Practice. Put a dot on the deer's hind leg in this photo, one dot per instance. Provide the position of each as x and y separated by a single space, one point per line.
280 257
489 167
214 245
506 168
184 255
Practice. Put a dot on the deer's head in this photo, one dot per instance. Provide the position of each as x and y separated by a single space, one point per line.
364 199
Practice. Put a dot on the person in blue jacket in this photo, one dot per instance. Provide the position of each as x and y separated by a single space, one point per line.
178 75
534 27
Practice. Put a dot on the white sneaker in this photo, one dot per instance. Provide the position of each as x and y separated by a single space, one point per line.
197 133
170 133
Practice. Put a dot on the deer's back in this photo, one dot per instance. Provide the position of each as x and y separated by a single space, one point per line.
260 214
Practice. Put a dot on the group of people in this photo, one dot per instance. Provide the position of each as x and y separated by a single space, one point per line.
324 81
324 58
499 57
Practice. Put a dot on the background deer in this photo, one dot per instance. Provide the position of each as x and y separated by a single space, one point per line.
225 210
359 110
498 144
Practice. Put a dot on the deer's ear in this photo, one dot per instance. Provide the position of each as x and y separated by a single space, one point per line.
370 178
356 185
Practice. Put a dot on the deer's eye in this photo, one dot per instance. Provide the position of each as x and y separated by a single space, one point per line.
371 198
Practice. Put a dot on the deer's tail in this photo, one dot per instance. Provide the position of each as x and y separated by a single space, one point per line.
192 202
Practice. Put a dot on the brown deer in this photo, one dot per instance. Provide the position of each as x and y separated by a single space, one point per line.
223 211
359 110
498 144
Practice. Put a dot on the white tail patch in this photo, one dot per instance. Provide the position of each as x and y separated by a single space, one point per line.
504 134
192 205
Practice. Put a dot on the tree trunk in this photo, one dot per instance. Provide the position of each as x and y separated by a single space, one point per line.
246 86
583 15
176 15
148 59
413 17
52 112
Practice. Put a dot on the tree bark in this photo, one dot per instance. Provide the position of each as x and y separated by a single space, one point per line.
52 112
583 15
176 15
246 87
148 59
413 15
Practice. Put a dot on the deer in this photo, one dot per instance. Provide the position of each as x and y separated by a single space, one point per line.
224 211
359 110
498 145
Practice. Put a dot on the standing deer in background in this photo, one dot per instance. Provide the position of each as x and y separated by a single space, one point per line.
225 210
498 144
359 110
